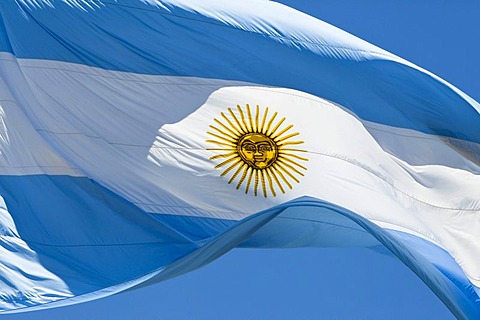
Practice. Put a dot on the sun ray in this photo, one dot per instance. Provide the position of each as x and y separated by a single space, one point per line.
275 165
224 155
282 158
286 143
270 183
269 170
234 127
244 174
234 138
264 187
242 116
235 133
233 141
263 121
256 183
270 123
250 119
227 161
221 143
250 170
242 130
239 169
276 127
257 115
280 139
282 168
221 149
286 154
281 161
277 136
291 149
231 167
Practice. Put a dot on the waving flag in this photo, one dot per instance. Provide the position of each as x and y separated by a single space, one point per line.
143 139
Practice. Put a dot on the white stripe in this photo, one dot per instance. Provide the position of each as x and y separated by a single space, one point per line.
417 148
156 95
22 149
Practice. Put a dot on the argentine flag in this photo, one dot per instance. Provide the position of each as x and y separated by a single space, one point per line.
142 139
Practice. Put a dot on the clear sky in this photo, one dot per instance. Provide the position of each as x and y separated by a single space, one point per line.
440 36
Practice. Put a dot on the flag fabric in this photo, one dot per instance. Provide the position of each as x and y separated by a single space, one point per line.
142 139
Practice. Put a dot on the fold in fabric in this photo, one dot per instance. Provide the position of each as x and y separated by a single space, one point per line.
141 140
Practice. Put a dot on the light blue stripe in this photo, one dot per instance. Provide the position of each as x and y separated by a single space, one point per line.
442 260
85 234
136 37
97 242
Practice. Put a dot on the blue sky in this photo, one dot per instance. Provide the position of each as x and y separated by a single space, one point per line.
439 36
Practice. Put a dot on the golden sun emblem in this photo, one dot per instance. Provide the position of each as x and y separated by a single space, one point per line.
258 148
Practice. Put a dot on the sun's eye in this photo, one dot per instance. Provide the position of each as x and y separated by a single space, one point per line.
249 147
264 148
233 134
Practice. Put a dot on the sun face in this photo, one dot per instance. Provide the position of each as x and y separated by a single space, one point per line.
256 150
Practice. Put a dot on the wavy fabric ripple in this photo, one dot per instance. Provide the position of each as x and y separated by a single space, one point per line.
140 140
